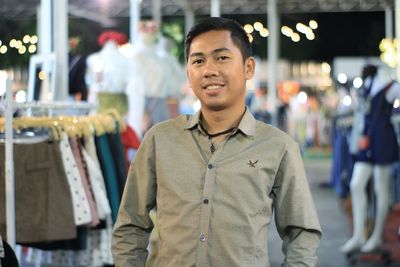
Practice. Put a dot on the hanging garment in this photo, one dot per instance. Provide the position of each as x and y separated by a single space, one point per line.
117 150
80 202
342 163
108 169
44 210
130 140
98 187
7 255
383 148
85 180
118 101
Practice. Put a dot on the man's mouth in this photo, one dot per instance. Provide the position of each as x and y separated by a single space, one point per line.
213 87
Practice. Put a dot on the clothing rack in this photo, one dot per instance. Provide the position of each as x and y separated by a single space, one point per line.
55 105
9 157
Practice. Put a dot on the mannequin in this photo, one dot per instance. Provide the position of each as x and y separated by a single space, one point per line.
157 74
377 150
114 81
175 73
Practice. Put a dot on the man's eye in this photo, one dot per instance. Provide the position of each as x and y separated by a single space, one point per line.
197 61
222 57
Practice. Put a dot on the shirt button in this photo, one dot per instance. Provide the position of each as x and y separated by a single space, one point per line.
205 201
202 237
210 166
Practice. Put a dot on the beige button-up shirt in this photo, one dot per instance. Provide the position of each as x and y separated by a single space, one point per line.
213 209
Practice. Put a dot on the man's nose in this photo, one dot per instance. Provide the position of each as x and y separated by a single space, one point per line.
210 69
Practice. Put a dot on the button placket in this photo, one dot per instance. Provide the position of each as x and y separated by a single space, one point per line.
209 181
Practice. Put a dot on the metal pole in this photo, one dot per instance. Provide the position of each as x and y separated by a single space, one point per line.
215 8
157 12
189 19
46 25
388 22
134 20
397 23
60 41
9 172
273 50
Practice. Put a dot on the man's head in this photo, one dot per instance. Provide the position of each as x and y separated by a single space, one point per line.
369 71
219 63
238 35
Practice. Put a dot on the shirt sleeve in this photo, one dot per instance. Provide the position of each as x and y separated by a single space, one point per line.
133 226
295 215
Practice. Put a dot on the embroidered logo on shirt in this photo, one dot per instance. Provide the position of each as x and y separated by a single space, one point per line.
252 164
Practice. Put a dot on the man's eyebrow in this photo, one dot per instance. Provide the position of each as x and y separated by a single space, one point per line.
196 54
222 49
215 51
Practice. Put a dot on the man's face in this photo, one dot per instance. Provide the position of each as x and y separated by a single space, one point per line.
216 71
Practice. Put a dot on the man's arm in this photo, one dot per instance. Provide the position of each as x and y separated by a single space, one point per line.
295 215
133 226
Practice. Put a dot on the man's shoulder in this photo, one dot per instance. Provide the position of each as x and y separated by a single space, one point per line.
270 132
178 123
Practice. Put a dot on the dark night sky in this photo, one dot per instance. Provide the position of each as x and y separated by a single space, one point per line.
339 34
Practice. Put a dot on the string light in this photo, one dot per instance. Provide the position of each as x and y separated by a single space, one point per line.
250 37
326 68
3 49
313 24
342 78
310 35
388 48
258 26
32 49
285 30
264 32
248 28
357 82
295 37
22 50
26 39
42 75
18 44
13 42
34 39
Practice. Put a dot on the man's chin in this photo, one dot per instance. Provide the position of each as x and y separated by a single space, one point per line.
214 107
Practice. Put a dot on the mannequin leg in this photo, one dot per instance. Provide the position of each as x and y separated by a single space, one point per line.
381 188
361 174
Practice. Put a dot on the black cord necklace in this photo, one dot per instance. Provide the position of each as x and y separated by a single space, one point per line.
216 134
211 136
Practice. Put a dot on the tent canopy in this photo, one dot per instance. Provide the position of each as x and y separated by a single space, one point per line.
12 9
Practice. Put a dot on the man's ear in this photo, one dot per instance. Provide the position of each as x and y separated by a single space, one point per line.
250 66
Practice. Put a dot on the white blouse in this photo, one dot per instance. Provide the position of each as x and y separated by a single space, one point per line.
80 202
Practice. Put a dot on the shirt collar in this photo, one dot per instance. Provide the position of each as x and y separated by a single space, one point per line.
247 124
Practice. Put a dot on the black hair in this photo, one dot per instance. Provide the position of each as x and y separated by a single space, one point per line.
369 71
238 34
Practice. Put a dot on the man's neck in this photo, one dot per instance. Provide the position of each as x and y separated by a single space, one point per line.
218 121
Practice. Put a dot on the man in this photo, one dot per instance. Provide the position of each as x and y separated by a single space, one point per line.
215 177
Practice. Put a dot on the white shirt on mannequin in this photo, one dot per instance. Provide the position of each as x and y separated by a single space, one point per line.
107 70
145 56
110 71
